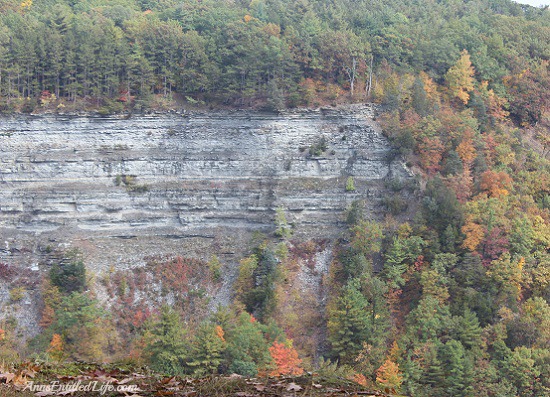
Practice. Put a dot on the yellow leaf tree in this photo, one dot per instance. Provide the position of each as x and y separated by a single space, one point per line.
55 350
474 235
460 78
388 375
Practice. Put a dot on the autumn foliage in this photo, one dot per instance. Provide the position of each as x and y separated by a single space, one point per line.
388 375
495 184
286 360
55 350
460 78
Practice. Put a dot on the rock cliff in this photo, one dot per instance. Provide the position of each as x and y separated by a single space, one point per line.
120 189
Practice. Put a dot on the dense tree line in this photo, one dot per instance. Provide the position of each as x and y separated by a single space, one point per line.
265 51
459 306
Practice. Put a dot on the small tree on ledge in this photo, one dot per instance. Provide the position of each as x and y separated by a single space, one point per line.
350 184
283 230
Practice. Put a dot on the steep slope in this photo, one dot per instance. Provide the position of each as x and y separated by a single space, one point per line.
122 189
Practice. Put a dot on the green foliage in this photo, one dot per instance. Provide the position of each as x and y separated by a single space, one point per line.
366 237
350 184
208 348
354 213
256 282
468 330
466 286
85 327
457 370
441 207
283 229
69 277
331 372
17 294
170 349
359 317
275 97
402 253
248 347
318 148
354 264
216 268
394 204
134 50
348 323
429 320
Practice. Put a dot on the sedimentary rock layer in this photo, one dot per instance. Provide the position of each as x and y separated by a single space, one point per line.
124 188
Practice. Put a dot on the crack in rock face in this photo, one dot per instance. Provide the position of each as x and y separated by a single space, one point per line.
194 184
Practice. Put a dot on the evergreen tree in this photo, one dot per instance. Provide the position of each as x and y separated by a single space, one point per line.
170 349
402 253
348 323
458 370
247 347
468 330
208 347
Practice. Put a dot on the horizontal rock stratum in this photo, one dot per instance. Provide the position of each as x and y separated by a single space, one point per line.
121 189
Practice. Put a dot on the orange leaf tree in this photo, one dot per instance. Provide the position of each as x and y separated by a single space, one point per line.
55 350
286 359
495 184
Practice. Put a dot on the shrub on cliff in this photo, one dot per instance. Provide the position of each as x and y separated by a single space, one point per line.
69 277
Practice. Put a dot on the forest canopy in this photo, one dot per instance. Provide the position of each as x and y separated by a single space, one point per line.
271 52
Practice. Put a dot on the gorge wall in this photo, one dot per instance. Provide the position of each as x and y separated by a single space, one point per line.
121 189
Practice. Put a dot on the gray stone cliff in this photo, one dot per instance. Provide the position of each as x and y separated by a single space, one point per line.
121 189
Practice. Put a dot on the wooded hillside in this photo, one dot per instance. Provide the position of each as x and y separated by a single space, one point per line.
460 306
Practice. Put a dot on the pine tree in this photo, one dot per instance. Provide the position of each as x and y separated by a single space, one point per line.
402 253
169 350
350 184
248 347
283 229
348 323
208 347
458 370
469 330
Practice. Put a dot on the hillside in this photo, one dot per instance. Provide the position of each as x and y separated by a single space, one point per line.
406 240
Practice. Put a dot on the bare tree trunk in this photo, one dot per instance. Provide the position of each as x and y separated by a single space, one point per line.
352 74
369 83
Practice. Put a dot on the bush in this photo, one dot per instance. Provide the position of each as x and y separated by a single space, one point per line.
70 277
216 268
355 213
283 229
350 184
318 148
17 294
395 204
110 107
129 182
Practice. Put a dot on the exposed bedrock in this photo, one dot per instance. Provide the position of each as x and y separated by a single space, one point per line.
195 184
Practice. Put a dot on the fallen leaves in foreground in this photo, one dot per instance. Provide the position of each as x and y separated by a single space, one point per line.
81 380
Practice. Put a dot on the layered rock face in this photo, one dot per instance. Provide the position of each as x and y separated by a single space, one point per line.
193 184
